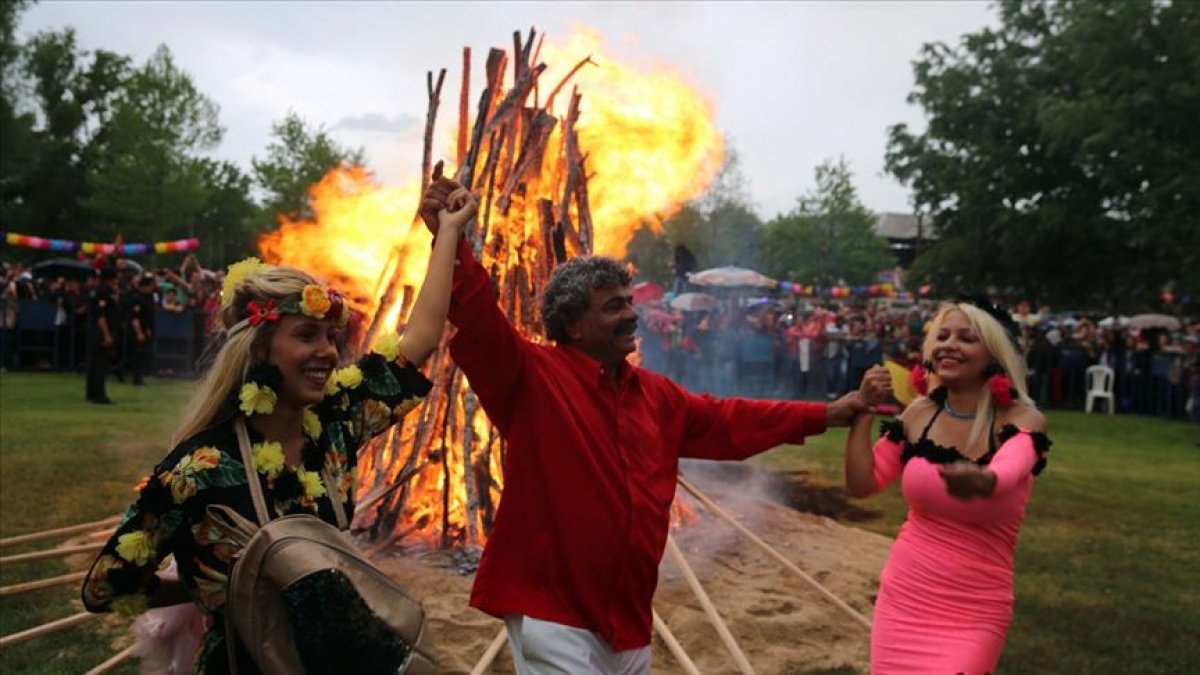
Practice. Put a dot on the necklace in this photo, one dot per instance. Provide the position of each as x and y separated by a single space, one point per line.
955 414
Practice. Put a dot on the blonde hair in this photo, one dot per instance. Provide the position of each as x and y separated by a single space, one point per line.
1000 347
212 402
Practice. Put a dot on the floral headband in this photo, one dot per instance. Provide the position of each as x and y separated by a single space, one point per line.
315 301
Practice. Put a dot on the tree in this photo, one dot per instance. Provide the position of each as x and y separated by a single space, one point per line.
297 157
18 141
149 179
1058 162
228 218
829 237
73 93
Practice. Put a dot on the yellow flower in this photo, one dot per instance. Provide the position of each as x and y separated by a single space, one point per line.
255 399
314 301
312 424
267 457
388 346
135 547
236 274
349 377
129 606
183 486
311 480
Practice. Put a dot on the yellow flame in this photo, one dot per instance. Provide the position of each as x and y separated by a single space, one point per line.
650 138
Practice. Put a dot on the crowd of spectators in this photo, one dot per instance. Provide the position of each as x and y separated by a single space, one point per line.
794 348
188 291
812 350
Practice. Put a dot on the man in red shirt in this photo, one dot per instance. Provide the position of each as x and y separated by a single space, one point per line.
593 451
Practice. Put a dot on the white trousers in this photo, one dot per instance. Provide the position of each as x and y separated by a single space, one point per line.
547 648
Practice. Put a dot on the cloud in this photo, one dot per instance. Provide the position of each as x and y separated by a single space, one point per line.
378 123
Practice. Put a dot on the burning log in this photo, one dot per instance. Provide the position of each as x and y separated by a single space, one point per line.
525 229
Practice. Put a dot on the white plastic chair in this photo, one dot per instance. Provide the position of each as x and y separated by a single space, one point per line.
1099 381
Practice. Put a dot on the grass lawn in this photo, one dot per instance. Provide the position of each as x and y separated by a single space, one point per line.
1108 564
64 461
1107 568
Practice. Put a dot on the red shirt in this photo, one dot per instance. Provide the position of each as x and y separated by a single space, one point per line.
590 469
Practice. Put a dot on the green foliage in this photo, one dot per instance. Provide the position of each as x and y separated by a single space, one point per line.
1059 161
297 157
148 179
720 228
829 238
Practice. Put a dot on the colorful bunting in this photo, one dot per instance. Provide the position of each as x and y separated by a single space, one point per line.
93 248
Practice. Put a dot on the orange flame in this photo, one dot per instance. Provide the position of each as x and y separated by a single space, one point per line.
649 135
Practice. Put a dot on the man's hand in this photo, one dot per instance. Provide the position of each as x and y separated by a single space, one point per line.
462 206
876 385
436 197
842 411
967 479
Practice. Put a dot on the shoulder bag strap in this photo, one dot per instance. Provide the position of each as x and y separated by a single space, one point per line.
339 509
256 494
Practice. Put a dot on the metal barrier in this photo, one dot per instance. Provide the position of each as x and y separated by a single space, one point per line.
36 341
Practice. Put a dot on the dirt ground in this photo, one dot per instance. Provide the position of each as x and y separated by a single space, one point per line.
781 624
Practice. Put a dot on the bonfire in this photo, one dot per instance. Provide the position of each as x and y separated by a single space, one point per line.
558 176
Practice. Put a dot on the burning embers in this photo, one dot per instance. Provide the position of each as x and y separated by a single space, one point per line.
557 179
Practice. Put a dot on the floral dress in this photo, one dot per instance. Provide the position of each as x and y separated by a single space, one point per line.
169 517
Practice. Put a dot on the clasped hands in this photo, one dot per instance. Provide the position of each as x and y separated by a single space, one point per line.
874 390
446 203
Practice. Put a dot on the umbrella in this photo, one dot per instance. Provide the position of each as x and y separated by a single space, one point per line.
732 276
693 302
63 267
1143 321
647 292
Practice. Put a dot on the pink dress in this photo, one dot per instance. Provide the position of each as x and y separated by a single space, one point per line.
946 593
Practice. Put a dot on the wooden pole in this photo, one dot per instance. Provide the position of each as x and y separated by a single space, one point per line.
46 629
38 585
116 660
668 637
54 553
720 513
739 658
490 653
62 531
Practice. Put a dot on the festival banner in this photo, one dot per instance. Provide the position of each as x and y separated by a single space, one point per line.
93 248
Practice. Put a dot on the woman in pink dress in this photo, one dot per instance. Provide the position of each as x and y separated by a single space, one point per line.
966 454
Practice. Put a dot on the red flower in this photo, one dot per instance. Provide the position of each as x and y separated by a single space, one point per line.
1001 390
260 312
917 377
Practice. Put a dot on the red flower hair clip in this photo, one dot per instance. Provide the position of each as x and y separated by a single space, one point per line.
262 311
917 377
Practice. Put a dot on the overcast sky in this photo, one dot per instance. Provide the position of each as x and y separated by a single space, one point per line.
792 83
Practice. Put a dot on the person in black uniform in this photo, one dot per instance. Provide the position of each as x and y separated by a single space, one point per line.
101 343
141 327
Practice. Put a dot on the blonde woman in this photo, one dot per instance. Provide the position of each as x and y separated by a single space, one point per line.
965 453
306 421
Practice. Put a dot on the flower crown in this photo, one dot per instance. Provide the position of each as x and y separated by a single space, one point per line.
315 301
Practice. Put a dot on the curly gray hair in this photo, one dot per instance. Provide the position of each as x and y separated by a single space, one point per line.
568 294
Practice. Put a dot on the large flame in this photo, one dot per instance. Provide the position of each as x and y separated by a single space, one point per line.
650 138
651 145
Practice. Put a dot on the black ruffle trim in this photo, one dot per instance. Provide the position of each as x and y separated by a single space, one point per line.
1041 443
935 454
893 430
939 395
